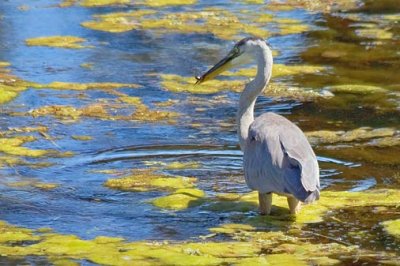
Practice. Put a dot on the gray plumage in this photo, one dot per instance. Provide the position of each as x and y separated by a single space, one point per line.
279 159
277 156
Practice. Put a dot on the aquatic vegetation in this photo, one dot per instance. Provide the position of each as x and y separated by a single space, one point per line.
117 22
177 83
279 70
280 90
148 181
70 112
173 165
58 85
180 199
94 3
31 182
392 227
311 213
356 89
81 137
156 3
219 22
13 146
145 114
358 134
70 42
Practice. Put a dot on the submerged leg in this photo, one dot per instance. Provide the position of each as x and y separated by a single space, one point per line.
294 205
265 200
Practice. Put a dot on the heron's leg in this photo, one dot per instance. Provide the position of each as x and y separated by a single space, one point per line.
294 205
265 200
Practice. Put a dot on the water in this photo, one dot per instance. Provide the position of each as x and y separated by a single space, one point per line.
205 131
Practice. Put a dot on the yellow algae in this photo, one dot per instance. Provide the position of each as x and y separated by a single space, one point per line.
258 248
81 137
177 83
87 65
12 146
310 213
4 64
356 89
117 22
392 227
12 234
32 183
131 100
232 228
147 181
162 3
221 23
181 199
375 33
281 90
291 26
58 85
67 3
95 3
279 70
182 165
144 113
358 134
59 111
70 42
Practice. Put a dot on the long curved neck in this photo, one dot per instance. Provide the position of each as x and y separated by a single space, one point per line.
245 115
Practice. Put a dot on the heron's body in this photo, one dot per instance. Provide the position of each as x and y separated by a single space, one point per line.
277 156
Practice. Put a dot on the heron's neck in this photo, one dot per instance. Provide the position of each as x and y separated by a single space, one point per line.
245 115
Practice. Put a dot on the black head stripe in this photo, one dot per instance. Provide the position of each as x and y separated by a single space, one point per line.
243 41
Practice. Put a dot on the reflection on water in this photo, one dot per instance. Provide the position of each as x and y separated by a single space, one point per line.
358 47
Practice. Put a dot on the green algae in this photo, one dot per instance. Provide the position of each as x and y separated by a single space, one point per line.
148 181
96 3
58 85
81 137
218 22
176 83
32 183
71 113
310 213
392 227
173 165
13 146
280 70
356 89
358 134
180 199
269 248
71 42
163 3
117 22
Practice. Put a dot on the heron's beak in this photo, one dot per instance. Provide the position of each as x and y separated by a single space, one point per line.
220 67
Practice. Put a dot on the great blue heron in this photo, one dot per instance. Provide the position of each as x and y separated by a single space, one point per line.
277 156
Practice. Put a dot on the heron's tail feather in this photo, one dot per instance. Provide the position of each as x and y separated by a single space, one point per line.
313 196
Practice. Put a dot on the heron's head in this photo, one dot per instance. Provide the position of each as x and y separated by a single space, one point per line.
242 52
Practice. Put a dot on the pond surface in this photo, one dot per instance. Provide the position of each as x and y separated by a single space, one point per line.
150 121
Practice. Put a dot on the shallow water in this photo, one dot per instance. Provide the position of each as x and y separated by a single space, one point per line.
205 130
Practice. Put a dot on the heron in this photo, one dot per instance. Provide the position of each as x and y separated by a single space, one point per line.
277 157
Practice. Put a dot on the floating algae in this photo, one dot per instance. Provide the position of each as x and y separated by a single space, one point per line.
162 3
219 22
180 199
81 137
93 3
358 134
310 213
13 146
148 181
71 42
173 165
392 227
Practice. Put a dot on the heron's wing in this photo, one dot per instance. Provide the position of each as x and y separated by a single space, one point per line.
277 152
299 154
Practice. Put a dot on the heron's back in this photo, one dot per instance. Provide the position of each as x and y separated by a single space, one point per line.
278 158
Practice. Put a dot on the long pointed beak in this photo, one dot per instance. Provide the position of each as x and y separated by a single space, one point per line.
220 67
